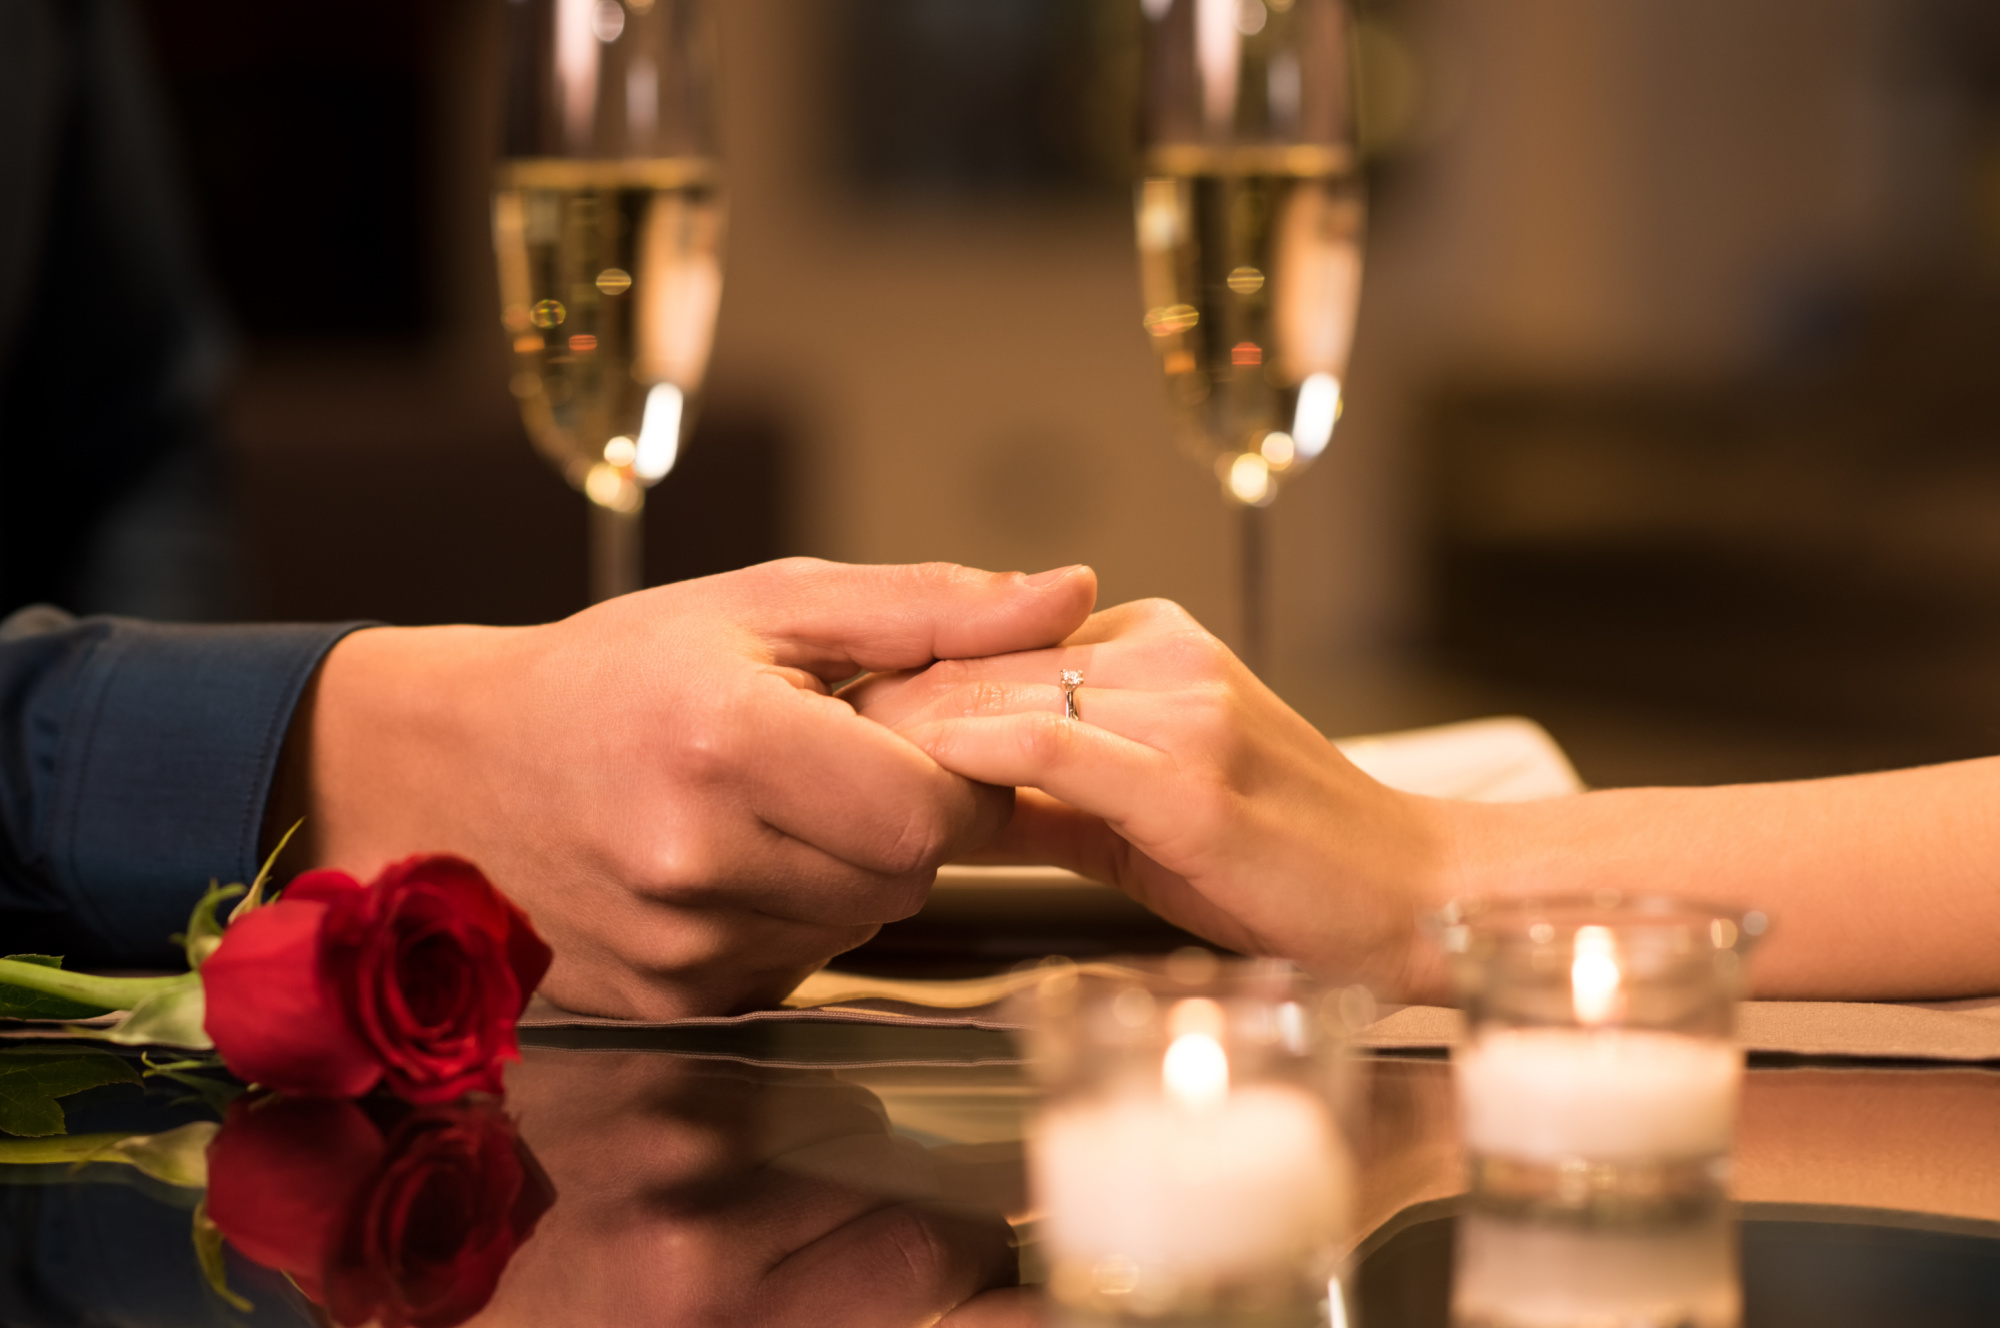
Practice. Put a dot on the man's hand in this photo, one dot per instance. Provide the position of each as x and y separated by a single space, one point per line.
664 781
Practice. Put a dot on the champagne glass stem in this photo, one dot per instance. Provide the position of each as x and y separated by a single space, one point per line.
1252 563
614 551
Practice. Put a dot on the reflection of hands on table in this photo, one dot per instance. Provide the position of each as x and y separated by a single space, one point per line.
663 781
1188 784
695 1192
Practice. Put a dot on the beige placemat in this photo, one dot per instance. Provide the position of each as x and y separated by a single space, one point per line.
830 996
1963 1032
1956 1031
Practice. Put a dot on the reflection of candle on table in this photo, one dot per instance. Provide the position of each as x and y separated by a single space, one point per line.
1186 1181
1528 1275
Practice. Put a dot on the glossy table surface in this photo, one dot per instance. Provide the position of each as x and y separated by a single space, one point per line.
828 1174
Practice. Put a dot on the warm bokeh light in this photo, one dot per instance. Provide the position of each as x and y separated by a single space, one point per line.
1246 280
607 21
1249 479
1196 1070
607 486
659 433
1218 46
1594 975
614 281
1172 318
1278 449
1317 411
621 452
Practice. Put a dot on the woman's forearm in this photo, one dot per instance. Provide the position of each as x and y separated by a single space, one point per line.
1879 886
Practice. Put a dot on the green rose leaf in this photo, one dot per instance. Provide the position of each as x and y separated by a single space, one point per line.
171 1016
21 1003
176 1157
204 931
208 1254
255 899
32 1082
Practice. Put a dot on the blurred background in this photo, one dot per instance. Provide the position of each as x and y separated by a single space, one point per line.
1672 421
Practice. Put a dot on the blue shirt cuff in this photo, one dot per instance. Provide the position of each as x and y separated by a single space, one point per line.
165 764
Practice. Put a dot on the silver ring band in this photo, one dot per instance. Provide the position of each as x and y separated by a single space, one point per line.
1071 680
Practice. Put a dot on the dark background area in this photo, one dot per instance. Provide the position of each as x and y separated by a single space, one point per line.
1786 566
312 138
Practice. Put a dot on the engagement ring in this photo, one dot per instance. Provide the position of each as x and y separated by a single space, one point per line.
1071 680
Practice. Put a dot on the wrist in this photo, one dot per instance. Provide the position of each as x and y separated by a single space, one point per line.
1442 868
387 761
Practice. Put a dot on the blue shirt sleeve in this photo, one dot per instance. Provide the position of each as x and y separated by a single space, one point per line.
135 760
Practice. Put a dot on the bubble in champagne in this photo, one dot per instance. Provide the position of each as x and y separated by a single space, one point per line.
614 281
548 313
1246 280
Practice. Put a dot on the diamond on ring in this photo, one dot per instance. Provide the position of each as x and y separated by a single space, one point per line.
1071 680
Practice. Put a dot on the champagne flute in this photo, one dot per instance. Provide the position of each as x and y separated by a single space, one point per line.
1249 218
608 225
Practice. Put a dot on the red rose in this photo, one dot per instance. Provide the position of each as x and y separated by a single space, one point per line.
416 978
408 1230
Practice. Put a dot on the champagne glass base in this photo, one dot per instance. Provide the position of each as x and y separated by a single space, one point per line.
615 546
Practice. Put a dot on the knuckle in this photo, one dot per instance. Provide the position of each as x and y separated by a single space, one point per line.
1046 740
984 698
1195 652
705 759
912 1245
917 847
1165 614
676 868
796 568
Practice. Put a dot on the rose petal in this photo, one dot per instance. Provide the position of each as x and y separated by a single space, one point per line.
283 1173
324 886
276 1014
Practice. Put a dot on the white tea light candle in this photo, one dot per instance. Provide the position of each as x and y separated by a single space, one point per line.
1599 1074
1188 1163
1602 1094
1142 1184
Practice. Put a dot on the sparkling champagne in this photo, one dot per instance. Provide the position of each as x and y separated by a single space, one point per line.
1250 260
610 274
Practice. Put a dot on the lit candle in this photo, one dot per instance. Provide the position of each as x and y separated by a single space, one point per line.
1605 1094
1187 1181
1593 1091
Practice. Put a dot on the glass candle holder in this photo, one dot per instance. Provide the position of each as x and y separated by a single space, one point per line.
1188 1164
1599 1072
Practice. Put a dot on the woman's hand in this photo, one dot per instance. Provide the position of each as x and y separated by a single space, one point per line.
1189 785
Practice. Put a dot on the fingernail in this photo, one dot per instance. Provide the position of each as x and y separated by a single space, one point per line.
1054 575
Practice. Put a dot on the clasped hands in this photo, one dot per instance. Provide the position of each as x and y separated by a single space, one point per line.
703 792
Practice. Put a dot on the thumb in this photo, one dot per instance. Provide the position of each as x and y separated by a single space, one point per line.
837 620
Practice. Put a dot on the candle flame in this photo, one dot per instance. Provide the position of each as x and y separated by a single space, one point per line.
1594 976
1196 1070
